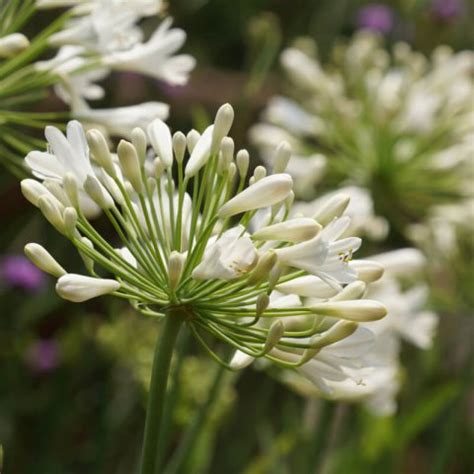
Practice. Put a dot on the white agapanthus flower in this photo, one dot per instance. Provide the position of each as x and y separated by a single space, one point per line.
396 124
190 247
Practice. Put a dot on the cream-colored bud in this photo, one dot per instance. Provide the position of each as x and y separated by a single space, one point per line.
192 138
222 124
275 333
40 257
71 189
100 151
231 171
309 286
179 146
79 288
335 333
259 173
151 183
357 310
130 164
282 157
175 268
242 159
161 141
200 154
139 141
32 190
158 167
290 200
70 221
353 291
333 207
262 270
13 44
367 270
52 211
227 149
294 230
266 192
274 277
263 301
88 261
98 193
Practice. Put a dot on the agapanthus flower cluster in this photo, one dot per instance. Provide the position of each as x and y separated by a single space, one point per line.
91 39
200 239
399 124
408 319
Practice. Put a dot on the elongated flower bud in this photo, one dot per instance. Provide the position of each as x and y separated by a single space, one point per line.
79 288
179 146
32 190
358 310
161 141
70 221
335 333
222 124
13 44
266 192
191 139
307 286
259 173
263 301
44 260
367 270
295 230
71 188
242 159
140 143
262 270
282 157
97 192
88 262
353 291
200 154
333 207
175 268
100 151
130 164
275 333
52 211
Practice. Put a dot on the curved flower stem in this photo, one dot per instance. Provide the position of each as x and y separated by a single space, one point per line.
186 446
159 378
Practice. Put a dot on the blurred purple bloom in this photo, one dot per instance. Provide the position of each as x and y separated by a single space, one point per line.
19 272
43 355
447 9
376 17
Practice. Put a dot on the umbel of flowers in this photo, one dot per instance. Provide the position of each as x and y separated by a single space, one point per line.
199 242
398 124
91 39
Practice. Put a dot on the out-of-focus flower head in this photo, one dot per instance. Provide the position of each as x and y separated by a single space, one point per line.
18 272
44 355
204 241
376 17
447 10
398 124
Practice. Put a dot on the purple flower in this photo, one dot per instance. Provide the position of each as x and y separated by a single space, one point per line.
375 17
447 9
43 355
17 271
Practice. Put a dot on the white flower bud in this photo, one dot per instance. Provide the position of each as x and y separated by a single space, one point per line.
79 288
263 300
192 138
158 167
57 191
333 207
140 143
358 310
259 173
275 333
282 157
307 286
32 190
353 291
98 193
71 189
175 268
179 146
367 270
100 151
200 154
52 211
335 333
242 159
13 44
266 192
88 262
40 257
262 270
222 124
161 141
130 164
70 221
294 230
227 149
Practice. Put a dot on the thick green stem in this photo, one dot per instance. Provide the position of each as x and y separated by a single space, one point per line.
156 398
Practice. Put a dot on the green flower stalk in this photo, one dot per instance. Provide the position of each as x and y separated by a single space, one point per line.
91 39
198 242
397 124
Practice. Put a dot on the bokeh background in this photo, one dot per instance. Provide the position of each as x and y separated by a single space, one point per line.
73 378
